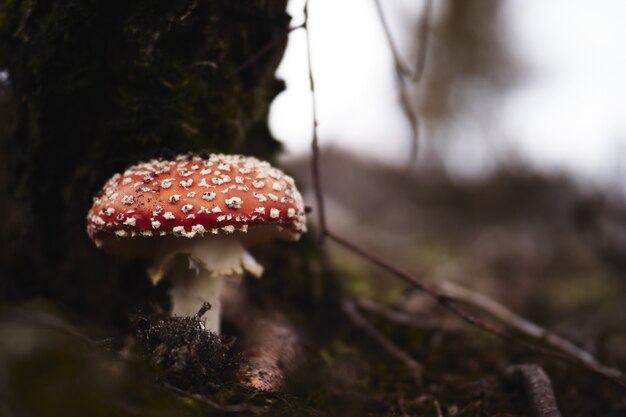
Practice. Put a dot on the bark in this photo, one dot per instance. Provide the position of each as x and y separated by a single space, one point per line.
98 85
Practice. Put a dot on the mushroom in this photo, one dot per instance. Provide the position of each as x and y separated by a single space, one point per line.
207 210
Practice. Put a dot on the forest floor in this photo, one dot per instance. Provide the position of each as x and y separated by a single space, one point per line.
542 246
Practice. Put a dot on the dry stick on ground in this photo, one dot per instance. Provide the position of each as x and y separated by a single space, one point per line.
538 388
451 304
415 369
273 350
406 76
225 408
404 318
528 328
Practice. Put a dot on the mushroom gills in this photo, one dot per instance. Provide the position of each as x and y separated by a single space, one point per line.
196 269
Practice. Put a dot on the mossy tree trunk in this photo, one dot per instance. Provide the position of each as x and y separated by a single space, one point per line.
98 85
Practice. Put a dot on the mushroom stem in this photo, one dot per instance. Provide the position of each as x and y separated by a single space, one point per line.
191 290
197 269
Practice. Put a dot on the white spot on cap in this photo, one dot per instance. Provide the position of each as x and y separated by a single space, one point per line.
258 184
228 229
234 202
277 186
174 198
291 212
198 228
98 220
239 180
203 210
191 194
260 197
274 213
221 218
206 171
179 230
216 209
128 199
186 208
186 184
127 181
226 178
272 197
146 233
156 224
121 233
217 181
108 211
167 183
224 167
168 215
131 221
203 183
208 196
243 228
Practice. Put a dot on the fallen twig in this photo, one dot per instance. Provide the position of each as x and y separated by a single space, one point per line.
451 304
526 327
401 317
227 408
273 350
415 369
538 388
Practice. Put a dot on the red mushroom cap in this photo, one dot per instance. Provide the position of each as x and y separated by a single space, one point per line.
193 195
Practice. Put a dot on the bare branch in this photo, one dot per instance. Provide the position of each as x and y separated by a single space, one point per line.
538 388
406 76
451 304
403 318
315 147
415 369
522 325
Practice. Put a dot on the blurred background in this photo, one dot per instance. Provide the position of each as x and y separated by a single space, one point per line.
537 82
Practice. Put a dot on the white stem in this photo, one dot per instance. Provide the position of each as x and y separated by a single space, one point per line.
191 290
198 275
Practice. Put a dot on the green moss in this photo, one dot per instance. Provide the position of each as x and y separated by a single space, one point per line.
100 85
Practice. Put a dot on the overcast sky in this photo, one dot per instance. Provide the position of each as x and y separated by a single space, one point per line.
568 114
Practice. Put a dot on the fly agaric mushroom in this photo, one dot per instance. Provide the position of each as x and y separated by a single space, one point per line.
206 209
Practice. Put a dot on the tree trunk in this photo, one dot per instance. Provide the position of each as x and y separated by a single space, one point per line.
98 85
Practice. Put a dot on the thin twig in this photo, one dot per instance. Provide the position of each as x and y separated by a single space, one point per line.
538 388
264 50
451 304
522 325
415 369
438 408
405 75
227 408
401 317
315 148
